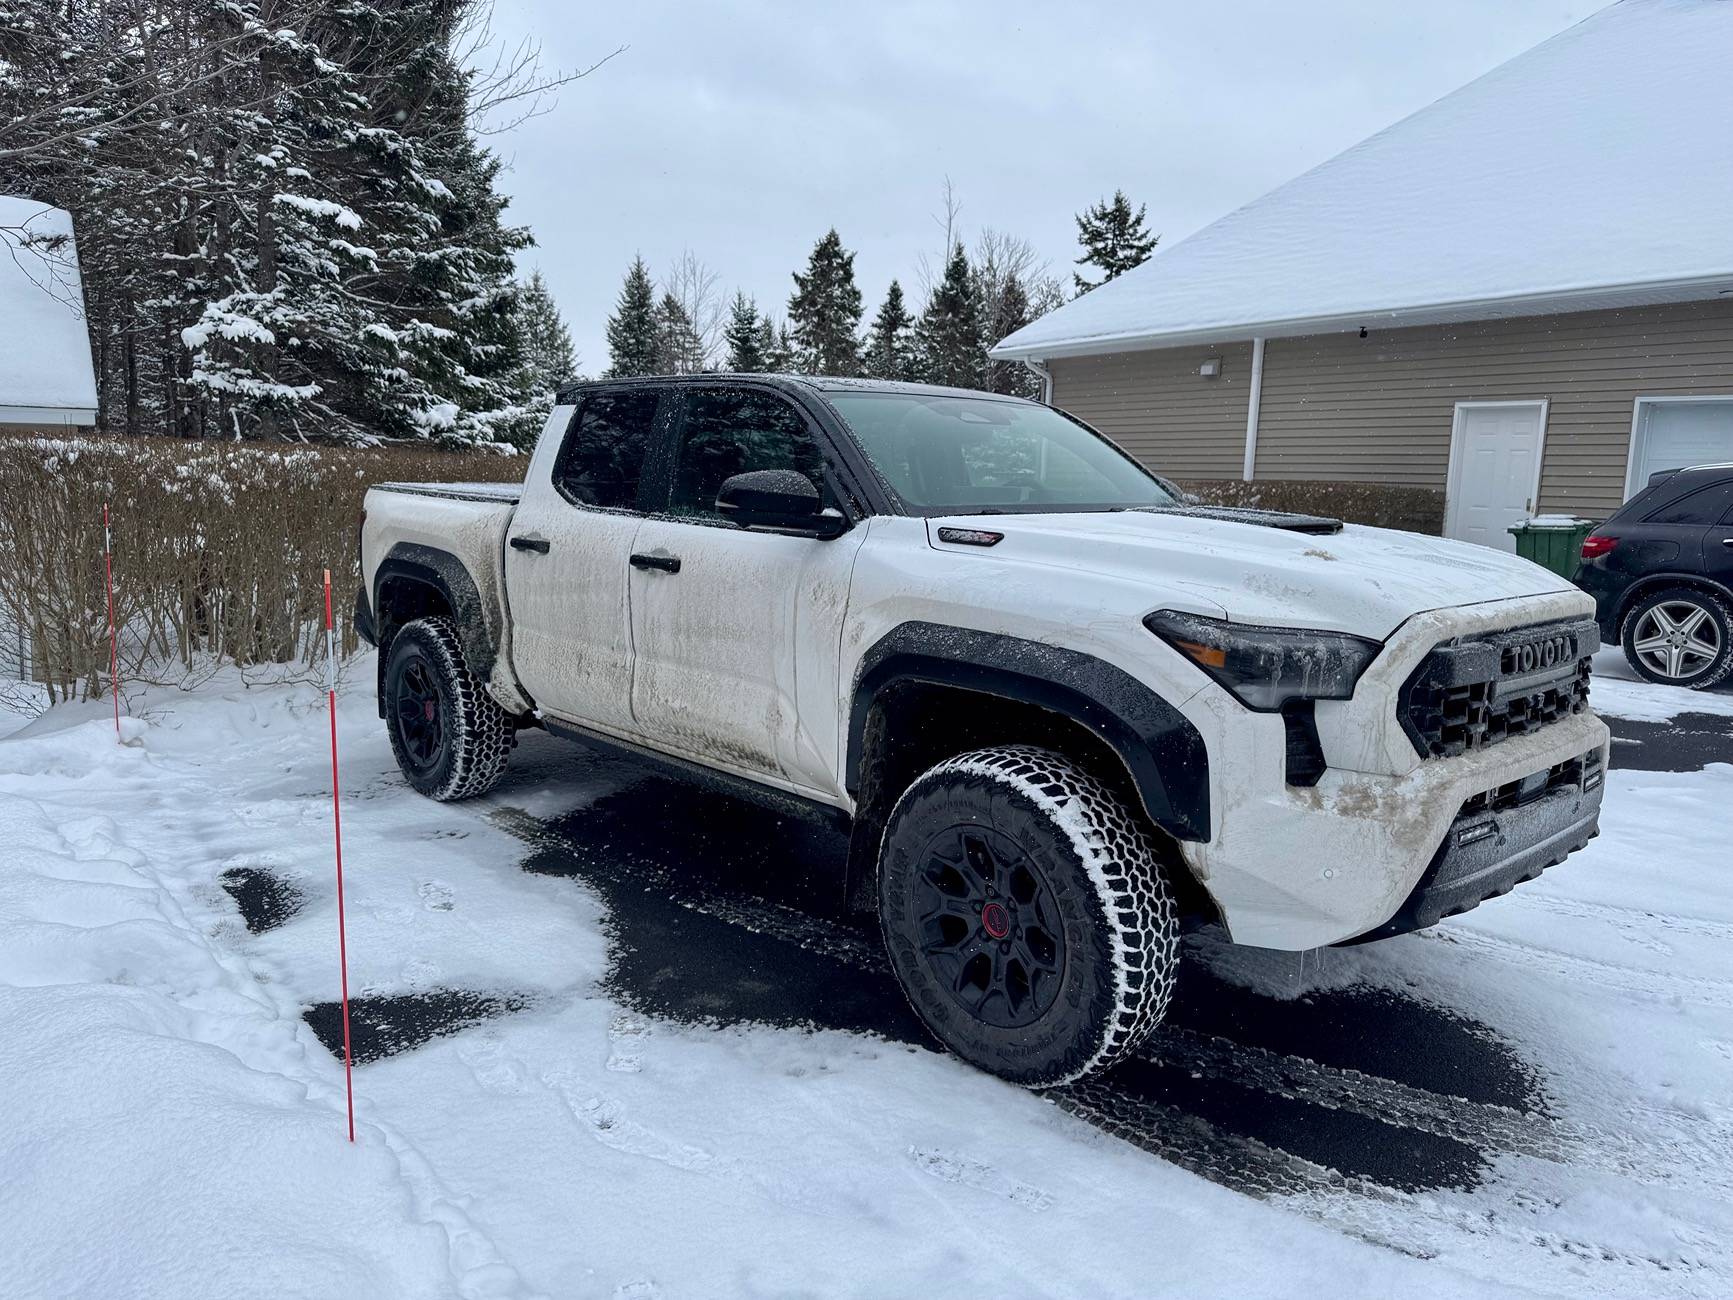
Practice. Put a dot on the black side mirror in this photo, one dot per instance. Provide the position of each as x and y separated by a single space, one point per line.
780 500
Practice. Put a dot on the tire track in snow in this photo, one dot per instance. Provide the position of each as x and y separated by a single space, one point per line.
1624 918
1683 1160
1569 967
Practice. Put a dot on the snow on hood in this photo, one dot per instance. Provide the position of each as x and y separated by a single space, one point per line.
1367 581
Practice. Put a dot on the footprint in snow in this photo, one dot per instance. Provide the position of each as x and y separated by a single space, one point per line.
626 1035
638 1288
436 897
493 1069
948 1167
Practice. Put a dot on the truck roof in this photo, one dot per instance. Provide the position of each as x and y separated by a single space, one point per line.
817 383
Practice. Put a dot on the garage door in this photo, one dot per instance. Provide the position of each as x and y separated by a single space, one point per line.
1674 434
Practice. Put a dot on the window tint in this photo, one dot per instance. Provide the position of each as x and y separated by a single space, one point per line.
1704 506
603 456
730 431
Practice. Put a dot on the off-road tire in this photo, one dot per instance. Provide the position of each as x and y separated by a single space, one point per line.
475 733
1119 917
1718 615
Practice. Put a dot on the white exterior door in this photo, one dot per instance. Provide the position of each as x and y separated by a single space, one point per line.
1673 433
1494 470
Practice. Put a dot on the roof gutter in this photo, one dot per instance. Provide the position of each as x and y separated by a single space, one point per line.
1039 369
1638 293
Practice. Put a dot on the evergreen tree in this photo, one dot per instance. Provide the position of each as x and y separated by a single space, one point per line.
1010 315
634 342
1114 239
547 362
744 336
775 358
948 338
548 359
890 349
825 310
679 350
285 233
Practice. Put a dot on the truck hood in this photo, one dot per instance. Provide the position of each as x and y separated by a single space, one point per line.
1367 581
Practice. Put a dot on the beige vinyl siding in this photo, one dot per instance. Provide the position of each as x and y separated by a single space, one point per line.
1157 406
1379 409
1338 406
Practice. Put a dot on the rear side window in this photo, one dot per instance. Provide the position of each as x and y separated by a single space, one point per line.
1707 505
602 460
730 431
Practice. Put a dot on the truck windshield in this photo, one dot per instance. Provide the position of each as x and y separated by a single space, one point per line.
961 455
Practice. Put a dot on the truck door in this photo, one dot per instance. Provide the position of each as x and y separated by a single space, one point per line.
736 632
566 560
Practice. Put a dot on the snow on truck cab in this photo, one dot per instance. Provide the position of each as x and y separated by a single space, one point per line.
1057 708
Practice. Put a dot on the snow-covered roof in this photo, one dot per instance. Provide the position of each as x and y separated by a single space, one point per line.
46 377
1593 170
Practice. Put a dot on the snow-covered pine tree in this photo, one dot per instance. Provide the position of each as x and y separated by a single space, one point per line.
548 360
679 350
287 226
890 349
634 342
825 310
744 336
1114 239
948 338
1010 314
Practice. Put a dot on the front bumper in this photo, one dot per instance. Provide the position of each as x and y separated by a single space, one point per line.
1493 846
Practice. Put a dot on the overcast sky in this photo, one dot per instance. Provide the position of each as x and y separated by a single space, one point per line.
744 130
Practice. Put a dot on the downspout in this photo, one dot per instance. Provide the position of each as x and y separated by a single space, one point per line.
1253 401
1040 371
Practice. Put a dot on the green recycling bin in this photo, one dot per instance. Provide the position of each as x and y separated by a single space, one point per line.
1552 541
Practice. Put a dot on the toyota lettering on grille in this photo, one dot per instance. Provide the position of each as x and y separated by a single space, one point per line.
1547 652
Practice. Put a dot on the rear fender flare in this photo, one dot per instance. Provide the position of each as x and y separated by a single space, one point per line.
478 623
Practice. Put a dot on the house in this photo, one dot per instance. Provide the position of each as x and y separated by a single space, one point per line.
1521 296
46 377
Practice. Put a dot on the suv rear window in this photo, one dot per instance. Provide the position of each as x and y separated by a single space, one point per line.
602 459
1704 506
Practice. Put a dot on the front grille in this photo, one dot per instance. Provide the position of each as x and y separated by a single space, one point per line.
1580 773
1476 691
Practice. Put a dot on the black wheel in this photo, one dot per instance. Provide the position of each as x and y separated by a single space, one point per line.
1680 636
449 737
1027 915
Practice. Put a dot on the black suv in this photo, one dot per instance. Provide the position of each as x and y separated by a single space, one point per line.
1661 573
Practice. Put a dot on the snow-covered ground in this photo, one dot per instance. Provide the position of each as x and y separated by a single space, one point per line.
656 1078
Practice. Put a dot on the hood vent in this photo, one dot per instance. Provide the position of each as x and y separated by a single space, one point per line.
1292 523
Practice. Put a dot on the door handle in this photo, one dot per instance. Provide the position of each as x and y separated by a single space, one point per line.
530 542
663 563
1727 541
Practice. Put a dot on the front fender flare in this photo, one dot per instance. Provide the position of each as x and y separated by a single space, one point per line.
1161 749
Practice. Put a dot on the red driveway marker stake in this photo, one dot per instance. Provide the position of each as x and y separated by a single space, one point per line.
337 830
113 634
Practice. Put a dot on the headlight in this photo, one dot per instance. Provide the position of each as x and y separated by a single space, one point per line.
1267 666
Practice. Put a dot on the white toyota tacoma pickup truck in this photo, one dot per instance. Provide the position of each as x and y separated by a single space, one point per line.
1057 709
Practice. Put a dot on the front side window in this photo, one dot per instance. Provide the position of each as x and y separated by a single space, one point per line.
966 454
729 431
602 460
